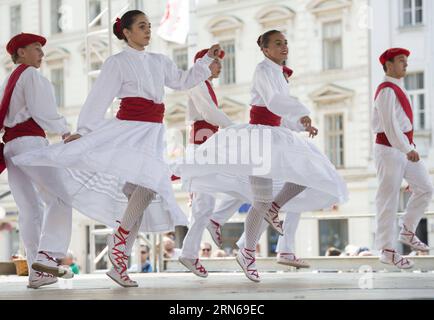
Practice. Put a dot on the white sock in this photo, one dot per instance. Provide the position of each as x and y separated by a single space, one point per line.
137 203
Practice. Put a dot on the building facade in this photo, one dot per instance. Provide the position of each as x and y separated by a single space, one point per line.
333 49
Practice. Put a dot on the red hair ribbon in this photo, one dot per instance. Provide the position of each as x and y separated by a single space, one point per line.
118 26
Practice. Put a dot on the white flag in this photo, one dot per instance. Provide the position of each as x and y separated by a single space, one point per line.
175 22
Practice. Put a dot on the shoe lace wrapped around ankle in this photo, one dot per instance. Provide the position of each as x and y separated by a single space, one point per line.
249 255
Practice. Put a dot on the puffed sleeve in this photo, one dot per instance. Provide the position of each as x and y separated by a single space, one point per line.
178 79
101 96
207 108
280 103
41 103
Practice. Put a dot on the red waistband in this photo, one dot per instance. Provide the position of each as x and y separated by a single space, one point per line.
382 139
23 129
201 131
261 115
140 109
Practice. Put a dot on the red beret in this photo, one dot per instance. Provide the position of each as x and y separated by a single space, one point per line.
203 52
391 53
23 39
287 71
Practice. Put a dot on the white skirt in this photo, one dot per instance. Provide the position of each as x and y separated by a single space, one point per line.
277 153
100 164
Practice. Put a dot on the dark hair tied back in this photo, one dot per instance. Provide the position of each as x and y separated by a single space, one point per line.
126 21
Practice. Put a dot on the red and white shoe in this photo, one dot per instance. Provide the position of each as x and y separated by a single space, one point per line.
246 260
409 238
272 217
390 256
46 263
215 231
194 266
116 244
39 279
121 279
289 259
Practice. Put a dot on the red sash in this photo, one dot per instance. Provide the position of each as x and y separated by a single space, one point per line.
202 130
26 128
140 109
406 106
261 115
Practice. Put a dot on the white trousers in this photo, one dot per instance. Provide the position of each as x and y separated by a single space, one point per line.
45 221
202 208
393 166
225 208
286 243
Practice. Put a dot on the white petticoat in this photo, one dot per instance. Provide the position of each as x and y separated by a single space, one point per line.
100 163
279 154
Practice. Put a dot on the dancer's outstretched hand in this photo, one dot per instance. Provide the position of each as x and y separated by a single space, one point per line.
312 131
66 135
72 137
413 156
214 51
306 121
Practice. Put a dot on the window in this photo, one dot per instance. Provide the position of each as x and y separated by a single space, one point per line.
180 57
334 135
94 11
56 16
414 84
231 232
138 5
15 13
228 64
412 12
57 81
332 45
333 233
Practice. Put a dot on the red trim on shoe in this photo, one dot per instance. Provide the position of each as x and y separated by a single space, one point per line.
402 262
275 211
253 272
49 257
120 259
415 242
199 267
218 229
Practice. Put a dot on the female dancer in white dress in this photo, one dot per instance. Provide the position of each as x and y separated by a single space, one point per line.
309 179
131 145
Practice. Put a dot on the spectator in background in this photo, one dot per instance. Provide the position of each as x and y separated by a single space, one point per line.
205 250
220 254
69 260
144 259
170 252
333 252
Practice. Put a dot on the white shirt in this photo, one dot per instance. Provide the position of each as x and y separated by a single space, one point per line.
270 89
33 97
202 107
134 73
389 117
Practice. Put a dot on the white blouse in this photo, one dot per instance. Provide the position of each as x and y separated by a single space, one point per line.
202 107
33 97
389 117
270 89
134 73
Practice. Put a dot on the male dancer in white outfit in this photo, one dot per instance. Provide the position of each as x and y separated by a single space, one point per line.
206 118
396 158
28 108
